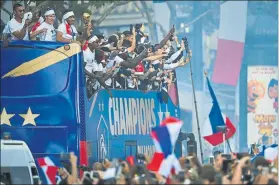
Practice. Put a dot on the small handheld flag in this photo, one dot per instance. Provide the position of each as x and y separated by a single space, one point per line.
49 166
164 138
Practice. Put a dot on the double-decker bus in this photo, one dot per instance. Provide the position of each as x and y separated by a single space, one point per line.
44 103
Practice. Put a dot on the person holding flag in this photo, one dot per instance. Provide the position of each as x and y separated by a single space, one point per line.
164 137
50 168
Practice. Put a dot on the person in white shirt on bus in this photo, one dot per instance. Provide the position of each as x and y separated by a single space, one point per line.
66 31
18 26
46 29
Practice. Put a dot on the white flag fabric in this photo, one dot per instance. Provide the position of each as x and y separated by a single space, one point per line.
231 40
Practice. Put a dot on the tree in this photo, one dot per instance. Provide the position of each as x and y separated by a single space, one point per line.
78 8
151 23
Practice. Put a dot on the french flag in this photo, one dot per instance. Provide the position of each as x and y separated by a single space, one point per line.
164 138
231 41
49 166
216 118
269 153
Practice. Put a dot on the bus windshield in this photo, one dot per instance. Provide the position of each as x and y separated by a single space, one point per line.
30 75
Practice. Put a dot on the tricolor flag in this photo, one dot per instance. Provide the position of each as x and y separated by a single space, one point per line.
216 118
232 33
164 138
49 168
269 153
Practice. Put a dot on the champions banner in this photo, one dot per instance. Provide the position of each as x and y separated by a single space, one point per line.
262 104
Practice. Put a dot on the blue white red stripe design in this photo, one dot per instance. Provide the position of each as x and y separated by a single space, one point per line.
49 167
269 153
215 119
164 138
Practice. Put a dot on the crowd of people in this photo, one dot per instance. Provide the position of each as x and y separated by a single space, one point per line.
128 60
226 169
124 60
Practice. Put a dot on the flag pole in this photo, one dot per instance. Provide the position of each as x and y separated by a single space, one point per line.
196 108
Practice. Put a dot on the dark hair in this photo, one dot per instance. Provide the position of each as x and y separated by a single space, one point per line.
99 55
127 33
261 161
208 173
113 39
126 43
16 6
39 13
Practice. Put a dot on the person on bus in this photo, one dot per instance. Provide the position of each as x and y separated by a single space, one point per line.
66 31
46 30
36 21
18 26
90 66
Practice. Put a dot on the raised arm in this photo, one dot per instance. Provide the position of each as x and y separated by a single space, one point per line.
20 34
166 38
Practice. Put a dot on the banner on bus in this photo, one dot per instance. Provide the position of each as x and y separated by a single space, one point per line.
262 105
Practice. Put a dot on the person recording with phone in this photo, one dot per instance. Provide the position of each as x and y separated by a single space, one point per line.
18 25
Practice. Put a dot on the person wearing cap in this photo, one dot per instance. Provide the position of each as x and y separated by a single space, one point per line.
18 25
66 31
46 30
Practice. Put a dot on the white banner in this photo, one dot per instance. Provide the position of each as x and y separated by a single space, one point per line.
262 105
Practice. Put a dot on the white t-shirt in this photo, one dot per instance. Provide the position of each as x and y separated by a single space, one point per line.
62 29
50 35
16 26
6 29
97 67
89 58
117 60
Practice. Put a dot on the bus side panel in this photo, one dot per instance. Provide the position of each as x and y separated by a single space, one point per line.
120 126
